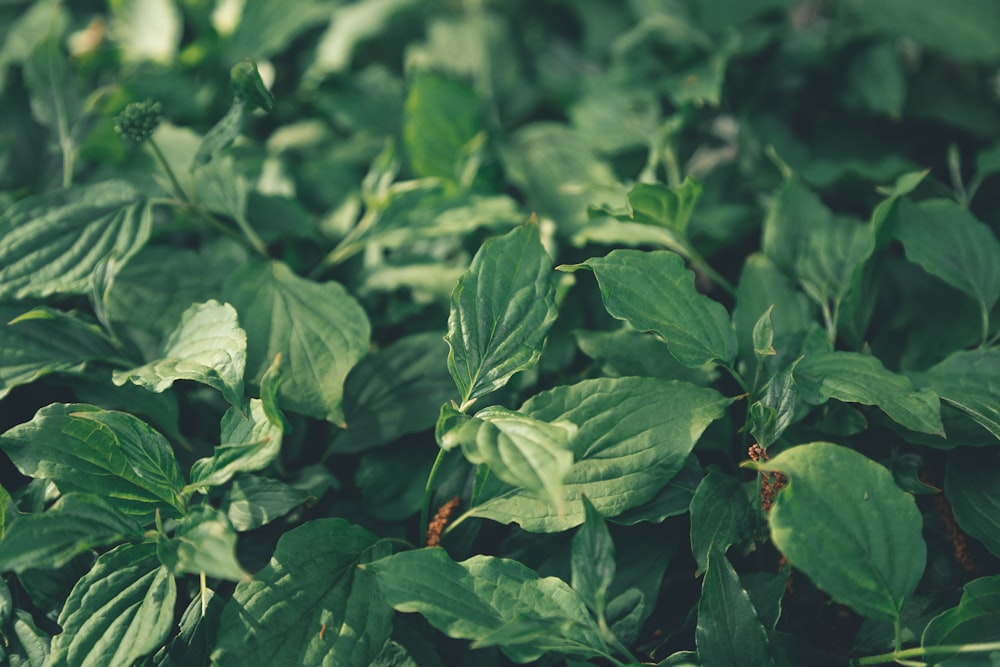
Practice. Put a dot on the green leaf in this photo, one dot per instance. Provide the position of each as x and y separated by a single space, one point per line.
868 552
51 243
784 236
252 501
528 453
208 346
729 631
857 378
763 335
147 30
969 381
111 454
876 80
721 516
197 630
222 134
351 25
311 605
762 285
441 117
964 29
482 595
592 560
120 611
43 341
673 499
27 646
775 412
653 291
318 328
395 391
625 352
975 620
75 523
626 450
829 255
658 204
203 541
501 311
972 486
250 443
248 85
51 85
950 243
266 27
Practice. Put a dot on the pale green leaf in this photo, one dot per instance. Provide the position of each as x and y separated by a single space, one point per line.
250 442
729 632
43 341
27 646
52 242
110 454
665 206
147 29
350 25
208 346
318 328
721 516
654 291
203 541
501 311
857 378
120 611
74 524
968 381
972 487
868 552
311 605
480 596
627 448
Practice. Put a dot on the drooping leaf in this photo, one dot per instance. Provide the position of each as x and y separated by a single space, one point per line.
653 291
721 516
729 630
208 346
249 443
857 378
493 599
441 117
501 311
868 552
52 242
969 381
222 134
203 541
43 341
318 328
252 501
107 453
592 560
311 605
120 611
393 392
972 486
627 448
74 524
975 620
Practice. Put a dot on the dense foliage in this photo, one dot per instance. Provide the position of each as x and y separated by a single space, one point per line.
406 333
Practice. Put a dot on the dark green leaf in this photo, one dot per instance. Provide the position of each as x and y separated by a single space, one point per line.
721 516
626 450
29 646
975 620
208 346
250 443
653 291
501 311
972 486
627 352
761 286
311 605
222 133
775 412
252 501
54 101
318 328
197 629
969 381
442 116
51 243
120 611
111 454
868 552
673 499
266 27
203 541
763 335
964 28
658 204
592 560
729 632
75 523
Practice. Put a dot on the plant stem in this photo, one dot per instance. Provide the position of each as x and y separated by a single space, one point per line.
899 656
429 490
204 593
174 183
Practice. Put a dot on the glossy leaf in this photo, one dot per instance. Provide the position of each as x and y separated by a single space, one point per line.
318 328
249 443
501 311
868 552
208 346
653 291
592 560
626 450
855 378
51 243
969 381
972 487
203 541
721 516
111 454
483 595
729 631
775 411
311 605
975 620
42 341
74 524
252 501
120 611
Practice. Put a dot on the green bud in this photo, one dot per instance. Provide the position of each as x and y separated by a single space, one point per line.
138 120
249 86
